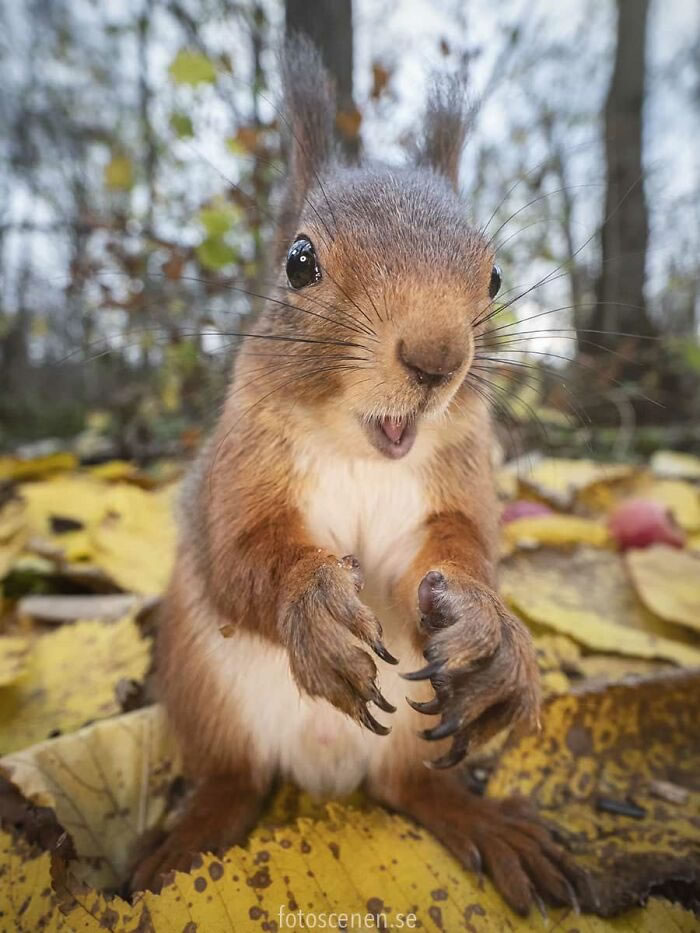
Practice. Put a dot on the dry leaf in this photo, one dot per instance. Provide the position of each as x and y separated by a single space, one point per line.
587 595
69 679
107 783
555 530
14 658
597 753
674 465
668 583
559 481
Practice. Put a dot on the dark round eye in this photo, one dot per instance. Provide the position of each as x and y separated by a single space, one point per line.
302 268
495 283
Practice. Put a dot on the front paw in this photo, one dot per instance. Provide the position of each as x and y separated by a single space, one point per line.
481 664
323 621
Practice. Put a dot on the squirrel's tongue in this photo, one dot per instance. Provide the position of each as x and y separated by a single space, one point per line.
393 428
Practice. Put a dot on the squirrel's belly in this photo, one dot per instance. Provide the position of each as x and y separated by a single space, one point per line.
308 741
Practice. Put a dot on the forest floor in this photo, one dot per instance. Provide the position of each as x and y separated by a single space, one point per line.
601 560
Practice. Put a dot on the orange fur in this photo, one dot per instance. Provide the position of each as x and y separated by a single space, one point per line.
294 481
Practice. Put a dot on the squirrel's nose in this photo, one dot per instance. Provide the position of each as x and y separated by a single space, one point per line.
430 366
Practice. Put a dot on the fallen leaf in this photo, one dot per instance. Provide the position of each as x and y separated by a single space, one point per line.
108 783
555 530
668 583
674 465
18 469
559 481
27 901
14 658
135 543
598 749
587 595
69 679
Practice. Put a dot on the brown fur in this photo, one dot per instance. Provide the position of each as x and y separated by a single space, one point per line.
404 279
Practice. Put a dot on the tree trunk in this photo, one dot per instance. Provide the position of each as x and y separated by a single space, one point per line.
620 288
328 23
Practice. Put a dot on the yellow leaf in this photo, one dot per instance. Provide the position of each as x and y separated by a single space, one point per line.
588 596
135 544
128 532
559 481
674 465
114 470
192 68
109 782
16 469
668 583
119 173
14 658
70 678
555 530
27 901
597 753
683 499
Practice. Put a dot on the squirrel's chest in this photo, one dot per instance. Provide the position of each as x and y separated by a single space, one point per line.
368 508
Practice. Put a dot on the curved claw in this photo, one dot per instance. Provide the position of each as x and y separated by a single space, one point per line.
381 701
429 707
380 650
368 720
451 758
444 729
425 673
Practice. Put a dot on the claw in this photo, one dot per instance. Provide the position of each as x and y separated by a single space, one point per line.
449 760
444 729
371 723
380 650
382 701
429 707
425 673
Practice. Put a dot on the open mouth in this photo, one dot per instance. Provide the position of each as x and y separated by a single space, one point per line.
392 437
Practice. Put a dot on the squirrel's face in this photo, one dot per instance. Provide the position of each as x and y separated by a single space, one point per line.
386 283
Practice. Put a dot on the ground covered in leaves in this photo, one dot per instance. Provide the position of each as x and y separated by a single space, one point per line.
602 562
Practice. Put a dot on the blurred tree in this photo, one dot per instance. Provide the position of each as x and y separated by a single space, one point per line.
621 283
328 23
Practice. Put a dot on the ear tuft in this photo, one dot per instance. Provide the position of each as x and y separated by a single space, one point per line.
308 115
447 119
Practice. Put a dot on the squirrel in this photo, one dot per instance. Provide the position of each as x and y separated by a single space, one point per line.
339 530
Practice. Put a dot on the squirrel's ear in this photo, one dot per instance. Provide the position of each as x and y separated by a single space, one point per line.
445 125
308 113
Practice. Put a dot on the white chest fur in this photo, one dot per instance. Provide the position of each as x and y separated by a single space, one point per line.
370 508
374 511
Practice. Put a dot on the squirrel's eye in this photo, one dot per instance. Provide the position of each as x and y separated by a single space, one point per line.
302 268
495 283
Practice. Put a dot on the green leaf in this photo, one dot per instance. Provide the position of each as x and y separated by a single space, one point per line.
192 68
181 125
217 220
214 253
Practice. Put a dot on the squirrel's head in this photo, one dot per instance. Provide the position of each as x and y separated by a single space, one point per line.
384 279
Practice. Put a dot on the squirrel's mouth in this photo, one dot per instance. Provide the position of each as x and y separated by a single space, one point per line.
391 436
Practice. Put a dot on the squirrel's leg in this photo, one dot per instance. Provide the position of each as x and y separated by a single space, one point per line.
220 813
501 837
480 677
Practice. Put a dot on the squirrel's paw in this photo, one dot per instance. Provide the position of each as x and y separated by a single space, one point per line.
322 625
506 839
481 664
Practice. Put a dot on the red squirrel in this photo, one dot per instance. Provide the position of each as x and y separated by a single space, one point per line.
341 525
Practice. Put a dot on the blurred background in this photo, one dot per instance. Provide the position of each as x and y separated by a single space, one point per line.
140 161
